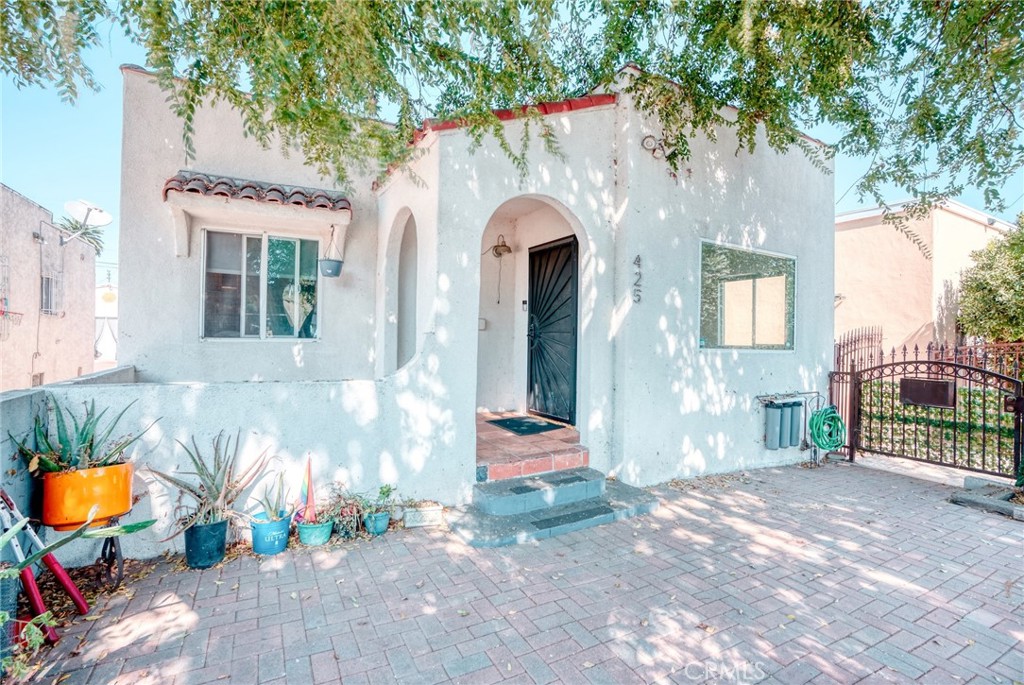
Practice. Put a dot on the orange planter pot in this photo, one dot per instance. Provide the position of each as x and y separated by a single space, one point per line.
68 497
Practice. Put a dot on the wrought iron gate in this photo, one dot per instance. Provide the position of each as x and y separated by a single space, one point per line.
939 412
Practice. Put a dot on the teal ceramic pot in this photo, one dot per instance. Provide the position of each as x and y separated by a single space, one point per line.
377 524
315 533
204 544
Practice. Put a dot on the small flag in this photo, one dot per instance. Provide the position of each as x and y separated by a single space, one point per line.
306 497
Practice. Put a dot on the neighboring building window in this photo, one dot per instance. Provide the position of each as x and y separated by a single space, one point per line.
259 286
49 294
746 298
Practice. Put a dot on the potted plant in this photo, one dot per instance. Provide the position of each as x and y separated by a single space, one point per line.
315 526
81 465
271 526
330 263
314 523
420 513
345 510
377 513
205 520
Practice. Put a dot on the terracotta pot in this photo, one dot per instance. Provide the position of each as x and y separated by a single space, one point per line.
68 497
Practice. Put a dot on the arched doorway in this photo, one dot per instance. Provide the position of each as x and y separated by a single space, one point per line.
528 329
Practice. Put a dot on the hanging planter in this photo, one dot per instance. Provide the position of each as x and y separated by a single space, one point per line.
330 266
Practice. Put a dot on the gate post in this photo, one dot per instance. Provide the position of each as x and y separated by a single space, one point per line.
853 430
1018 425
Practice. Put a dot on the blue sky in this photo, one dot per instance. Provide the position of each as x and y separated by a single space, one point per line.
53 152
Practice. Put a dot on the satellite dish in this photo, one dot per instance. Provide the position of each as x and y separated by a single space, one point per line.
86 213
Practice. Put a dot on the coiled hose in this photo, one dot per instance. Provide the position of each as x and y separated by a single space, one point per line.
827 429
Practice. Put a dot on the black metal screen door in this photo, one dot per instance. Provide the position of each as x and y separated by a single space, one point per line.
552 330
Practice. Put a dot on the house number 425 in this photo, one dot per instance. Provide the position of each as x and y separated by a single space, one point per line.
637 284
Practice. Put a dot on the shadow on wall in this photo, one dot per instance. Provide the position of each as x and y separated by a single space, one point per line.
942 330
688 410
947 307
338 424
714 390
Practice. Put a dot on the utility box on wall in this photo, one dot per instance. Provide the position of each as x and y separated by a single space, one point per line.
783 424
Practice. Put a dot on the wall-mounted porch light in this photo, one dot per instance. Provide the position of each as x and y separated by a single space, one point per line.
501 248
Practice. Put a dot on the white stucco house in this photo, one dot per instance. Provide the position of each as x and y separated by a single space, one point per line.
644 310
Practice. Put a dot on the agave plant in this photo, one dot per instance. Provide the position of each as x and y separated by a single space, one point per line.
218 486
77 444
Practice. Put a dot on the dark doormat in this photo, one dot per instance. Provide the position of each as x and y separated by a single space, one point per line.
525 425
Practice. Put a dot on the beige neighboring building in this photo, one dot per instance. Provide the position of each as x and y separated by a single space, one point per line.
884 279
47 291
106 327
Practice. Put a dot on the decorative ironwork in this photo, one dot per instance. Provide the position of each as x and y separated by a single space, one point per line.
975 433
551 336
7 317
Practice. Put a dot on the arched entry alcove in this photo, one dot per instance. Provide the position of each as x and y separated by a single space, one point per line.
529 277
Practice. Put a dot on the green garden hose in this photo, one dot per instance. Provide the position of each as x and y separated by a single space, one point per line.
827 429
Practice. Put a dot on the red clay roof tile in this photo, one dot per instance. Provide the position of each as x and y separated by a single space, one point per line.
203 184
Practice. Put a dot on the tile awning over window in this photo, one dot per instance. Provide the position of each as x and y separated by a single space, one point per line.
220 186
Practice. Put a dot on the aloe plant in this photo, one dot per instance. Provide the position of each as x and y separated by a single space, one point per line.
218 484
274 500
77 444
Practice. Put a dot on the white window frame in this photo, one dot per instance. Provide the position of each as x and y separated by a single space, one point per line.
264 237
49 294
700 295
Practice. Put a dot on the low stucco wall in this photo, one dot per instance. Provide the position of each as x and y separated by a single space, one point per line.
398 430
120 375
17 411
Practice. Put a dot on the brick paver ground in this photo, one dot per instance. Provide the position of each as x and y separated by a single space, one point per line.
791 575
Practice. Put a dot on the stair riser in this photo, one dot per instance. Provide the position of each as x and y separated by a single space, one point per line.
528 536
552 496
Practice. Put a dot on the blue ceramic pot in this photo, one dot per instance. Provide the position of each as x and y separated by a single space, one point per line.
270 537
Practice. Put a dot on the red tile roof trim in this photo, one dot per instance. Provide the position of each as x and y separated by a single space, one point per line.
238 189
562 106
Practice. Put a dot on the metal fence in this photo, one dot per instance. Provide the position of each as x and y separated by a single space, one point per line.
970 428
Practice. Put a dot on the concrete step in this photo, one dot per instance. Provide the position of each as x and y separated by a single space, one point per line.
619 501
530 493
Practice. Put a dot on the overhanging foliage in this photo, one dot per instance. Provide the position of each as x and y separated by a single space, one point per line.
929 90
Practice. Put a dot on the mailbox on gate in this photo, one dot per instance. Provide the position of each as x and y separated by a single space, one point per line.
925 392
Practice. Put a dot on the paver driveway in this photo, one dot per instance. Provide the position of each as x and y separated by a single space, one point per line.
790 575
